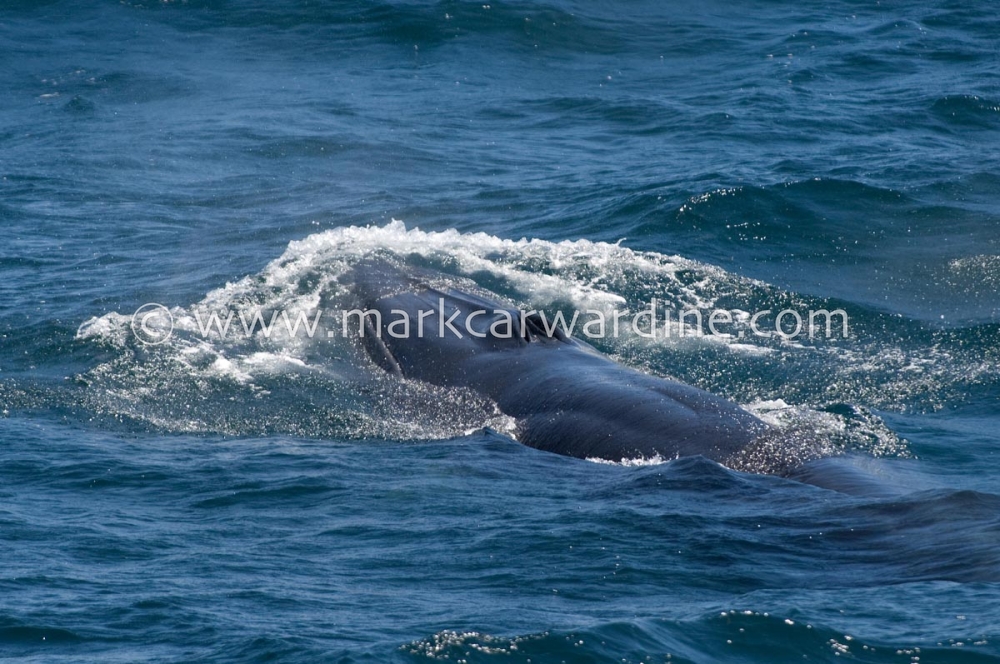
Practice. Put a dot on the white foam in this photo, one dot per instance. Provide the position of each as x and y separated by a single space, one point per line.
311 274
589 276
636 462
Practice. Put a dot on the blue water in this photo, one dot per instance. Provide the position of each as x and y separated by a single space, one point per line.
277 499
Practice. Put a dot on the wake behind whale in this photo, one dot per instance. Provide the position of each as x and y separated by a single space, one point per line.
544 389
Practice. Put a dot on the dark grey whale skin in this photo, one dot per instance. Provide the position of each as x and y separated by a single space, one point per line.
566 396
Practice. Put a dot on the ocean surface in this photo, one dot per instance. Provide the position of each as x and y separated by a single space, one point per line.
278 498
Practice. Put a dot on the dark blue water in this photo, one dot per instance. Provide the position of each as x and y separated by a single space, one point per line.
277 499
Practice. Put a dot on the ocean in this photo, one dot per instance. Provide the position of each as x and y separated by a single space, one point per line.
277 497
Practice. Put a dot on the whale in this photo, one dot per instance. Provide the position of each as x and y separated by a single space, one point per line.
565 396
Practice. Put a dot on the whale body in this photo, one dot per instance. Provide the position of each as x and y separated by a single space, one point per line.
565 396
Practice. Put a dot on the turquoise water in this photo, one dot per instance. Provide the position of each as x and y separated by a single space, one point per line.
279 499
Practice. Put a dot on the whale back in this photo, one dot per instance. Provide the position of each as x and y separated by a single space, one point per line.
566 396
